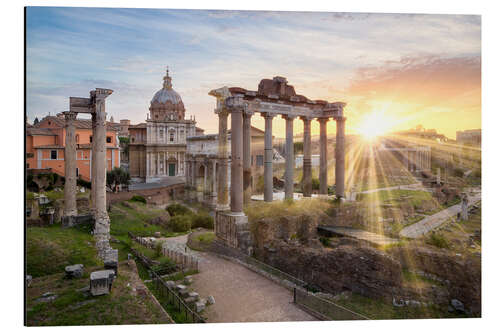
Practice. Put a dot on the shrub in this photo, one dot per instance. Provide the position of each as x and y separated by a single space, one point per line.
138 198
458 173
325 241
438 241
165 266
315 183
178 209
202 220
180 223
83 183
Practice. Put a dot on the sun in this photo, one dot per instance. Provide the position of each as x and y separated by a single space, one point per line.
375 124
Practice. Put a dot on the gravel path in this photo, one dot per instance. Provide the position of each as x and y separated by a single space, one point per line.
240 294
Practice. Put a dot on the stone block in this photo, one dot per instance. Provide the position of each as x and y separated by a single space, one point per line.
188 279
101 281
199 306
210 300
74 271
29 279
194 295
184 293
180 287
190 300
171 284
111 264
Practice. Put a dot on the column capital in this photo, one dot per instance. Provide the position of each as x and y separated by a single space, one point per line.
235 104
341 119
288 116
323 119
306 118
70 115
267 115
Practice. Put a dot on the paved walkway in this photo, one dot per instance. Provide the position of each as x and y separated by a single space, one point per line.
161 183
433 221
241 295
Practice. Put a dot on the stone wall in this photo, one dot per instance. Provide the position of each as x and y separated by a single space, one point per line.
360 269
461 275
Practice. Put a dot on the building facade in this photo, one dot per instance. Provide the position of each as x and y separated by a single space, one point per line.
45 144
157 148
469 137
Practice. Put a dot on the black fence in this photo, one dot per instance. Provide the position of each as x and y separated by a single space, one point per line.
166 294
323 308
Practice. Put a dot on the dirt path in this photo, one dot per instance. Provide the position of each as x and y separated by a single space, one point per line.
240 294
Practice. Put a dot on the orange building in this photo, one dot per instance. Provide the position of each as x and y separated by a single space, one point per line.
45 146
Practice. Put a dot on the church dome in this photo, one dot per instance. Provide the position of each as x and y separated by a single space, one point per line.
166 94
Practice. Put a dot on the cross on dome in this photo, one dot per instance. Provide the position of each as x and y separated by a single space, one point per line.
167 81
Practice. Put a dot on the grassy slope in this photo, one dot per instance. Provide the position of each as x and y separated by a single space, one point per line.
50 249
73 307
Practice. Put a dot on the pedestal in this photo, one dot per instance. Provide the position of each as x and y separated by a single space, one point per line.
233 230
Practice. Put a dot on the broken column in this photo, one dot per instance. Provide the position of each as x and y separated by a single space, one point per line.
306 162
70 210
340 158
247 166
101 230
268 158
323 158
289 158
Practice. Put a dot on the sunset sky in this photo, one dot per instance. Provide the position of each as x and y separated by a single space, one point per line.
406 69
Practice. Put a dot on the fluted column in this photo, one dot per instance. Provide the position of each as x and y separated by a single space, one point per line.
289 158
247 167
323 157
268 158
222 186
70 166
237 160
214 178
306 162
340 158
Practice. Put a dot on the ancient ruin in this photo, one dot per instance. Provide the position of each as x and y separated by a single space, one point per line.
95 106
273 98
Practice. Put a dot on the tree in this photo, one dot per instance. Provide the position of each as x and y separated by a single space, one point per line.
117 176
36 121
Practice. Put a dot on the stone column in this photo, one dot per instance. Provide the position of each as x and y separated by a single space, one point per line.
268 158
101 231
340 158
214 178
222 187
323 157
289 158
205 178
237 160
93 170
70 169
306 163
247 166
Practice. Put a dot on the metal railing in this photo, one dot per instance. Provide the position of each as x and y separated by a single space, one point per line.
166 294
323 308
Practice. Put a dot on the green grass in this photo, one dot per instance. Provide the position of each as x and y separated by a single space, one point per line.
438 240
50 249
380 309
415 198
259 210
73 307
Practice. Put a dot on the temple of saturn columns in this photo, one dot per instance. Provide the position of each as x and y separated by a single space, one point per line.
273 98
95 106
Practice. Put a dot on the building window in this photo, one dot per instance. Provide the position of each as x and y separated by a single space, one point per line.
161 133
77 138
77 173
108 139
27 165
91 139
260 160
251 160
133 139
171 136
53 154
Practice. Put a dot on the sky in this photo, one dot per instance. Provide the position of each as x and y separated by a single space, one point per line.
394 71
